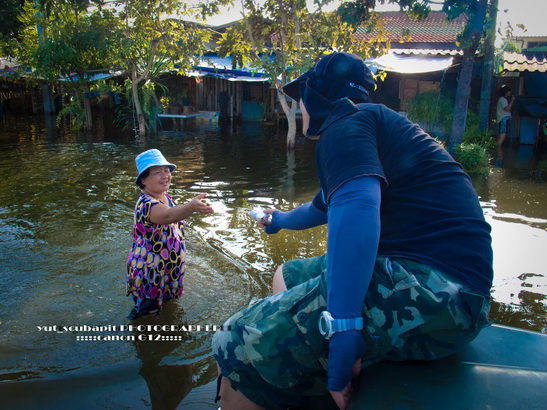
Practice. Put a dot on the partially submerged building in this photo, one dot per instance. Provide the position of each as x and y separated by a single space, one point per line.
526 74
423 56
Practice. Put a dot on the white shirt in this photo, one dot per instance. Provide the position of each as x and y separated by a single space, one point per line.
500 109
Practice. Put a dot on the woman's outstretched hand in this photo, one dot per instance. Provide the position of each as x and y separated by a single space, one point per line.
198 206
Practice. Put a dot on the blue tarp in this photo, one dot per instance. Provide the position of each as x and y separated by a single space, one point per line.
535 83
215 66
532 106
92 77
14 72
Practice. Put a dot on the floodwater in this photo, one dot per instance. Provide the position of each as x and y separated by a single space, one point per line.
66 205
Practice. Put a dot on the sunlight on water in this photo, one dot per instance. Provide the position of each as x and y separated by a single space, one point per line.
65 230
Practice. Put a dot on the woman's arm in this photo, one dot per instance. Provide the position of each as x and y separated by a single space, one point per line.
163 215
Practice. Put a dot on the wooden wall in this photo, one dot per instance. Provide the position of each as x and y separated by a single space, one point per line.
209 88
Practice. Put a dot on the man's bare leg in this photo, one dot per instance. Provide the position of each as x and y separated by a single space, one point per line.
231 399
234 399
278 283
501 139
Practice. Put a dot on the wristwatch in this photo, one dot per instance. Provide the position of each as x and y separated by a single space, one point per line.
329 326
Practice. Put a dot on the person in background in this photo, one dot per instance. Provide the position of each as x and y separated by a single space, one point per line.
156 262
503 112
408 268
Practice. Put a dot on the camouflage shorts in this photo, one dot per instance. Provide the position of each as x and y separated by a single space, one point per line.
275 355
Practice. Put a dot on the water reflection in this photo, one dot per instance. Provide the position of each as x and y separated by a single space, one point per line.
521 160
168 384
527 313
66 207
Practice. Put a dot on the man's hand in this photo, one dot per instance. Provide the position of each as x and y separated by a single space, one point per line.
345 351
342 398
269 211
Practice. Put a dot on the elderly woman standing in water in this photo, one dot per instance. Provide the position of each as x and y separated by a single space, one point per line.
156 263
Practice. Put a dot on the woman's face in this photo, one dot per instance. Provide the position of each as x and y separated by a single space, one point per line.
158 180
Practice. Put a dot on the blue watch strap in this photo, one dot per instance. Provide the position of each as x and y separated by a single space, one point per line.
329 326
341 325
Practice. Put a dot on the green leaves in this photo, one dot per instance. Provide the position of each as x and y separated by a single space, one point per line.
473 158
431 109
64 41
60 38
284 38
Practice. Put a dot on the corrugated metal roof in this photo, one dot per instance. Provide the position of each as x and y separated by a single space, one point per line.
434 29
519 62
411 64
426 51
7 63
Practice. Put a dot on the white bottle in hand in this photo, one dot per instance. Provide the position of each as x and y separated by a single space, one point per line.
261 217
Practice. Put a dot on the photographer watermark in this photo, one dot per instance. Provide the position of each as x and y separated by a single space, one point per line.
131 333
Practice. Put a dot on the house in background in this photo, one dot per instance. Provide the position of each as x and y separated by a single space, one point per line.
423 56
239 93
217 86
526 74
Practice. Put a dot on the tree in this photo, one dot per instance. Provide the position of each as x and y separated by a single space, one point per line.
470 39
59 38
283 38
488 71
9 29
156 39
477 28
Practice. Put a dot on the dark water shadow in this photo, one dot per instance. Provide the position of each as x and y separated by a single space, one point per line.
154 340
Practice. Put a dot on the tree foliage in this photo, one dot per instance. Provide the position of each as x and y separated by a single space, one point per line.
61 38
284 38
475 30
9 29
155 39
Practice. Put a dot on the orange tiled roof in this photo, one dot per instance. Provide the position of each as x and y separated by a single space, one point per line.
434 29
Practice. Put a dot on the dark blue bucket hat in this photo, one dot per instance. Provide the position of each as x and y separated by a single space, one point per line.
335 76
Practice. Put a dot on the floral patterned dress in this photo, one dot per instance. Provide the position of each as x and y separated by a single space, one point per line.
157 261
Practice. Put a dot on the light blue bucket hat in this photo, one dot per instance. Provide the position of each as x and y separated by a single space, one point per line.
151 158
